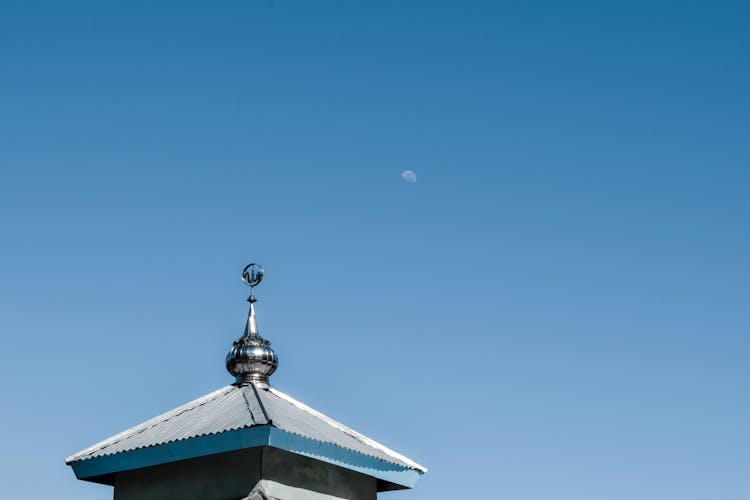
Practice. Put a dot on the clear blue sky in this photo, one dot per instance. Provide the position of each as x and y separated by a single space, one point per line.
557 309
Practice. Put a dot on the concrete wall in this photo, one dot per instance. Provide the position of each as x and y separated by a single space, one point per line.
224 476
245 474
282 467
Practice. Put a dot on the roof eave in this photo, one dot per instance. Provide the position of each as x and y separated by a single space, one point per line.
101 469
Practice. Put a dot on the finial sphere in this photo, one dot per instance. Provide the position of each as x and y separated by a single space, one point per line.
252 275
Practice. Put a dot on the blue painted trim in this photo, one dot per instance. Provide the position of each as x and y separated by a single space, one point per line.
343 457
240 439
172 452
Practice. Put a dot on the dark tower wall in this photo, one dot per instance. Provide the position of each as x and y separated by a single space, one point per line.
245 474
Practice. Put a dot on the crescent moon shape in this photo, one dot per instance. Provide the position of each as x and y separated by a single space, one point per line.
252 274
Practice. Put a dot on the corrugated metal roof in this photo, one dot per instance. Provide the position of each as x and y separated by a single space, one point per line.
232 408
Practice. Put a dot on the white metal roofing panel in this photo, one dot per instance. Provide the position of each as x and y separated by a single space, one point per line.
292 416
218 411
231 408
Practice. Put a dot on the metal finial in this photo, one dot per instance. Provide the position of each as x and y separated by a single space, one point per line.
251 359
252 275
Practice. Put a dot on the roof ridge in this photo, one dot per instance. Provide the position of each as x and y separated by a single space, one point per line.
256 409
269 420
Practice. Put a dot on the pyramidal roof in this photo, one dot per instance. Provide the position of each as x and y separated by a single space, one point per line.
236 407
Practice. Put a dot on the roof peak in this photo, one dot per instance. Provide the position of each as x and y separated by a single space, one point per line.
251 359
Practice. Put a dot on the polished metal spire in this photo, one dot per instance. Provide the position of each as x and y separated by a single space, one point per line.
252 275
251 359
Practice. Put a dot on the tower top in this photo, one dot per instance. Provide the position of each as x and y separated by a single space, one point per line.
246 440
251 359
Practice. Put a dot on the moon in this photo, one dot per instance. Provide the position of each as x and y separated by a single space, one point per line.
409 176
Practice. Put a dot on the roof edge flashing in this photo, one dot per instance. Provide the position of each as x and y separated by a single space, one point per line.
103 468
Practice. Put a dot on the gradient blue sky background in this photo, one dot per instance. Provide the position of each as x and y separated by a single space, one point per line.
557 309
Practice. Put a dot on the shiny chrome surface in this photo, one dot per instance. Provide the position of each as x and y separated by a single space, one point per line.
251 363
251 359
